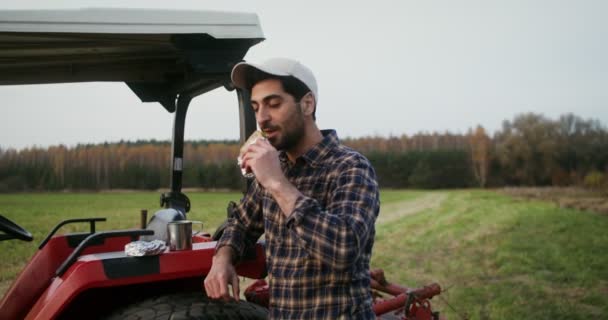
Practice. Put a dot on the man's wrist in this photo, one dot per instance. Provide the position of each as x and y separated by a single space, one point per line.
285 194
224 254
278 186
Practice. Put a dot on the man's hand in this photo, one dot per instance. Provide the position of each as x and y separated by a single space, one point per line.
221 274
263 159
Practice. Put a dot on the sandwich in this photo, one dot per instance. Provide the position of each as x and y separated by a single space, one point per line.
252 139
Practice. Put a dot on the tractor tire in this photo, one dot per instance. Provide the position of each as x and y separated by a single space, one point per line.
390 316
189 306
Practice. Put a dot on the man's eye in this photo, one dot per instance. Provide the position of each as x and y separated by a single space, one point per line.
274 103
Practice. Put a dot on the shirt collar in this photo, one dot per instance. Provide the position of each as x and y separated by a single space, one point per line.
315 155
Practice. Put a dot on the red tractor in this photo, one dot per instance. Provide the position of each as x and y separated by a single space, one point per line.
169 57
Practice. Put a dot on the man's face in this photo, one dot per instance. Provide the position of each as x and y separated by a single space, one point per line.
277 114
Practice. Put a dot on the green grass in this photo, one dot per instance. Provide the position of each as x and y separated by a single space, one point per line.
388 196
498 257
502 258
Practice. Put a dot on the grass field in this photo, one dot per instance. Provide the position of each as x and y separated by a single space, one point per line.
497 256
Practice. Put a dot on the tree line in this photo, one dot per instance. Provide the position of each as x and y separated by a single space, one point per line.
529 150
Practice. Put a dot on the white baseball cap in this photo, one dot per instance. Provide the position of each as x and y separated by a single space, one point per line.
277 67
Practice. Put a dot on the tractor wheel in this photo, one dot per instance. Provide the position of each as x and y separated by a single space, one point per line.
390 316
190 306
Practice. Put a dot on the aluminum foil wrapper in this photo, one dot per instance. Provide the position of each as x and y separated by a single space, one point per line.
144 248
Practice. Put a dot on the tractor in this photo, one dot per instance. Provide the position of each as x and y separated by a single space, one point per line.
165 57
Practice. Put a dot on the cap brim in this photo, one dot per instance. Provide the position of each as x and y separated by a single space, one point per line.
242 69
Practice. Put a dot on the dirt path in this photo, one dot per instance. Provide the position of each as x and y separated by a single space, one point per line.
396 210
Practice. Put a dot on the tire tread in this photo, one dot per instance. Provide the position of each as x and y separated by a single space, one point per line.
189 306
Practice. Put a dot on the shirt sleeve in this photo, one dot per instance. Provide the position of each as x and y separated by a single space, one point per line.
338 234
245 224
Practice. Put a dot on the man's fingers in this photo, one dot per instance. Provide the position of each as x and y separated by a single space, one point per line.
223 289
235 287
257 147
263 144
220 277
217 288
252 153
246 165
214 289
209 288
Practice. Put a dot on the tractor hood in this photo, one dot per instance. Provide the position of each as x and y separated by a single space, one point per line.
159 54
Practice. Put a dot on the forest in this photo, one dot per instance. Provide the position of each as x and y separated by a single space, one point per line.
529 150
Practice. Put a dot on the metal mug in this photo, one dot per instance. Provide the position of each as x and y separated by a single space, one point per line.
179 235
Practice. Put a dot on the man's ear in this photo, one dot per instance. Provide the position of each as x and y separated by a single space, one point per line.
308 104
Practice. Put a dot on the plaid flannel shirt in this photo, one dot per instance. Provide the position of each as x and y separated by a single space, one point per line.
318 258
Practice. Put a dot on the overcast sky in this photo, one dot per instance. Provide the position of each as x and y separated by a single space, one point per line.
383 68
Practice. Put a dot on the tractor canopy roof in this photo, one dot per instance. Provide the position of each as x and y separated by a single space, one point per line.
159 54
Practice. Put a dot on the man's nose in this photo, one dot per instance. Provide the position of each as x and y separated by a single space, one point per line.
262 115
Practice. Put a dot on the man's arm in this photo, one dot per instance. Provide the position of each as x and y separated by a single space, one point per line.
285 194
245 223
338 234
221 274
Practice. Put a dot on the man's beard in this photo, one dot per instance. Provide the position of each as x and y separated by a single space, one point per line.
292 132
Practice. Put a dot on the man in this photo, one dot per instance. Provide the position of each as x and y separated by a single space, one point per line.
315 200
